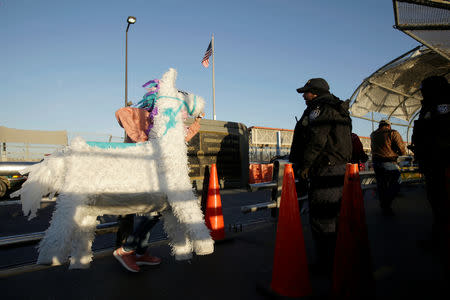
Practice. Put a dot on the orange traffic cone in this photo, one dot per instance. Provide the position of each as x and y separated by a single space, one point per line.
290 275
214 216
352 272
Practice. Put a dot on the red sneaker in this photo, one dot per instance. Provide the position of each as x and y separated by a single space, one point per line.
147 259
127 259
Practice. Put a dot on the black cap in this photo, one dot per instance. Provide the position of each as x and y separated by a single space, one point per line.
314 84
434 83
385 123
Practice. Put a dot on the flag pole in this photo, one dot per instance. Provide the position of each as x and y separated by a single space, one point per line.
213 81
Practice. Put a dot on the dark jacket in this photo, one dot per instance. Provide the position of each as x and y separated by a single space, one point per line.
431 135
358 154
322 136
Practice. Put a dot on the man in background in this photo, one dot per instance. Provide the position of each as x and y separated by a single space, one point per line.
387 145
358 155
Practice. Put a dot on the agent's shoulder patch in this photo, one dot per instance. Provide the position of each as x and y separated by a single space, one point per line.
314 113
443 109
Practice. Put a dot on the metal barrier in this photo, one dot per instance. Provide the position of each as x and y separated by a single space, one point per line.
18 202
275 185
15 241
9 242
267 205
367 182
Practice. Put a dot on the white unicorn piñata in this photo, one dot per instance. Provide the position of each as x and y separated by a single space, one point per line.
92 181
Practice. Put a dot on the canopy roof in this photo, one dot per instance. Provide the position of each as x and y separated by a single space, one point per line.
393 90
428 22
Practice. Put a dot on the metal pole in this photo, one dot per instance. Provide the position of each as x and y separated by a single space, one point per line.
368 119
8 242
126 66
213 81
372 123
27 151
126 75
278 143
3 151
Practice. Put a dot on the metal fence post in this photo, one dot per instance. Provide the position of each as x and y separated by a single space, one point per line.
278 143
278 173
27 151
3 151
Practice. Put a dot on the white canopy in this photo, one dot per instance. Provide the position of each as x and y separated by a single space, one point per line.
393 90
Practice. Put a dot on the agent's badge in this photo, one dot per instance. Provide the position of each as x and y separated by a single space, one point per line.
443 109
314 114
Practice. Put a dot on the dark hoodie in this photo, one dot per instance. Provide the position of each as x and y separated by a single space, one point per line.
431 133
322 136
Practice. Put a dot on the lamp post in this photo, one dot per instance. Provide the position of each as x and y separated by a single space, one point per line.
130 20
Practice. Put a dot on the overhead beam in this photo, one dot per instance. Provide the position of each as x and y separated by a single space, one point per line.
393 90
368 119
422 27
401 102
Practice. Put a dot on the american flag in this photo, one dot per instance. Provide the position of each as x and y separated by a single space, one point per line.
205 60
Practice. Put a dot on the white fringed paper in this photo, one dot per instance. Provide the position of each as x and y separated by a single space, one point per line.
92 181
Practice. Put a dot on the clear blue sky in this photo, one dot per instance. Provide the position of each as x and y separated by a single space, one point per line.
62 63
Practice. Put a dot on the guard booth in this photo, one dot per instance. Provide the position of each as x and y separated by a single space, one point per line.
224 144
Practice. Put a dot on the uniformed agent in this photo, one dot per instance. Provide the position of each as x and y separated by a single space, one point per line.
320 150
431 146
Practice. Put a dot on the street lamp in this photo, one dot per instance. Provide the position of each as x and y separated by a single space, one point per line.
130 20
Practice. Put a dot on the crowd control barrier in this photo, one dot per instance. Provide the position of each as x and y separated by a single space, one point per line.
367 178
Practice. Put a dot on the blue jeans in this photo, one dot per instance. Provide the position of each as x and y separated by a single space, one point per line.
138 240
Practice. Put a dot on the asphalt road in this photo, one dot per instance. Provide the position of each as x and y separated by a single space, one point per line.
13 222
240 267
